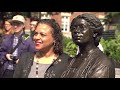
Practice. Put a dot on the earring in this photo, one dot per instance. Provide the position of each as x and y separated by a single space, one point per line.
54 43
94 35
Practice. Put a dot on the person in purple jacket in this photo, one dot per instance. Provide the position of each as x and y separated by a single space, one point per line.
27 45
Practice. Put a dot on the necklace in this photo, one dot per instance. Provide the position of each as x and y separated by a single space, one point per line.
37 65
43 60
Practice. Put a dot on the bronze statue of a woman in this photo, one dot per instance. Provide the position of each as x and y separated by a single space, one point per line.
86 32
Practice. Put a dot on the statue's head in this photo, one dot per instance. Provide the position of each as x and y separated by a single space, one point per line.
85 28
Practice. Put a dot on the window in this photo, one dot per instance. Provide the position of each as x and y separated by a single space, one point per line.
65 23
101 17
45 15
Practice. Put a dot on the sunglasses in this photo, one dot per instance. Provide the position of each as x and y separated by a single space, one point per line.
16 23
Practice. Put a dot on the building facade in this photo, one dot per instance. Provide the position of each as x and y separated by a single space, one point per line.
65 18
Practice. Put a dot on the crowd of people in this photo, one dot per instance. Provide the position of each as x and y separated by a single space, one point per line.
41 55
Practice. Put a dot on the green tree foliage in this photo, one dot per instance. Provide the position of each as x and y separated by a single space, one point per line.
112 46
69 46
110 16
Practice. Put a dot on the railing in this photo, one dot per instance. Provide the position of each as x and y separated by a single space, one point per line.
109 34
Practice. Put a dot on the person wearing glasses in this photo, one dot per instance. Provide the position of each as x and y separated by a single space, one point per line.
26 45
49 60
33 22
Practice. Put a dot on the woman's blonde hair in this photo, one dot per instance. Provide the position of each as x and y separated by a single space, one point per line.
11 31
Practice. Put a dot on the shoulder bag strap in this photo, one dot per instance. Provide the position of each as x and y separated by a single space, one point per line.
19 42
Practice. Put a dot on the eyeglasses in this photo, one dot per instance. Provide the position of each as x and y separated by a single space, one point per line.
17 24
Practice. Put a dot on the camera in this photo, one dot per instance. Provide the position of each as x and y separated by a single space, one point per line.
14 58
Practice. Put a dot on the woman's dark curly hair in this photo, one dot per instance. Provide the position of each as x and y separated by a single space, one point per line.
94 23
56 33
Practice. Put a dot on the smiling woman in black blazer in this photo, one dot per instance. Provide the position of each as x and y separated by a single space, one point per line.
49 61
